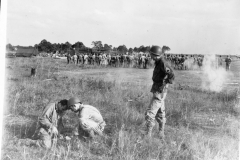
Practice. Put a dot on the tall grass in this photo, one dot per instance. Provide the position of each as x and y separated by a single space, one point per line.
200 124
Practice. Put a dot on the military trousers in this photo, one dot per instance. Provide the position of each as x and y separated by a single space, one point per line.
156 111
45 139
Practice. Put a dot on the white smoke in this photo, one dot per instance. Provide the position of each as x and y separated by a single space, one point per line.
214 76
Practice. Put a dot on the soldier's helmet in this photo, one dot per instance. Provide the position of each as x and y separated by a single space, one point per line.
73 101
156 50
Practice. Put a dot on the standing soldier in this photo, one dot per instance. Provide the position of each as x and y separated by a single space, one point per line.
143 58
131 58
93 59
104 59
228 61
220 60
68 58
100 59
162 76
75 59
78 58
90 59
85 58
91 122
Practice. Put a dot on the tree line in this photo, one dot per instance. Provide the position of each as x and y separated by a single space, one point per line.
48 47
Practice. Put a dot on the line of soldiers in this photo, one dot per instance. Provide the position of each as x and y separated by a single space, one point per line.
137 60
185 62
117 60
189 62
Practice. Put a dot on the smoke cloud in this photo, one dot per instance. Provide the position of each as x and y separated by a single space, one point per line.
214 76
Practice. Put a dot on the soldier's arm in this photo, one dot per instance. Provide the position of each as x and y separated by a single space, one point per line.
169 72
45 120
60 124
75 130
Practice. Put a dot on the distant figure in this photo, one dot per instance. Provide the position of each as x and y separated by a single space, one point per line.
85 58
75 59
228 61
200 62
33 72
68 58
78 58
220 60
143 58
93 59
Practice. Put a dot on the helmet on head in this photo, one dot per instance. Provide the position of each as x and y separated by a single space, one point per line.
156 50
73 101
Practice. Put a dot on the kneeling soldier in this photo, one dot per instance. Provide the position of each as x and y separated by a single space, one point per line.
91 122
49 125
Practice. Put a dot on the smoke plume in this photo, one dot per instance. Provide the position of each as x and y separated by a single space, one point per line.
214 76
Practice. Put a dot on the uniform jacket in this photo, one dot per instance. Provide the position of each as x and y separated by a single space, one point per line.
162 75
50 118
228 61
90 117
90 112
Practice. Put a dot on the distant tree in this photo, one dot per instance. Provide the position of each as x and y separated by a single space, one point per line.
55 47
97 45
66 47
107 47
135 49
9 47
130 50
165 48
45 46
147 49
142 48
122 49
78 45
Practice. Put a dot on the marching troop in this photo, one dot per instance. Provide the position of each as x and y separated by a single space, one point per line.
142 60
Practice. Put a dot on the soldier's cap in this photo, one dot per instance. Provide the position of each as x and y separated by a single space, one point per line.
156 50
72 101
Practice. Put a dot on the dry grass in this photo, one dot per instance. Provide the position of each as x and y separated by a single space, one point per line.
200 124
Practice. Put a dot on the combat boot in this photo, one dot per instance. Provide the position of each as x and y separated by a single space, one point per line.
161 134
161 130
148 131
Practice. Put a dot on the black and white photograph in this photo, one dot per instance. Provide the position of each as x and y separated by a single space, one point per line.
120 80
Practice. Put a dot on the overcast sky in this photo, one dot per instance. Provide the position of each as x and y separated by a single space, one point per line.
186 26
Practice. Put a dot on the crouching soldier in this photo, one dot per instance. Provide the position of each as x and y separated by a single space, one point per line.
91 122
162 76
49 125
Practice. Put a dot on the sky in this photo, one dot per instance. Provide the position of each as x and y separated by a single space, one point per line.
186 26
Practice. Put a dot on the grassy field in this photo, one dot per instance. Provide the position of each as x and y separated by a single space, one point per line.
200 124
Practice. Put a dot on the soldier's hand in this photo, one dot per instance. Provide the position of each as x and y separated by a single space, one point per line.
54 130
60 136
